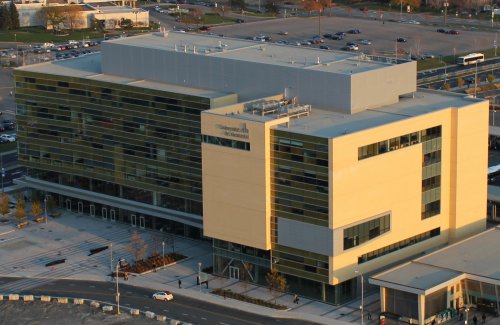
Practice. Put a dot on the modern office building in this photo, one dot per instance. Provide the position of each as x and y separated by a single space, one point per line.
321 164
462 276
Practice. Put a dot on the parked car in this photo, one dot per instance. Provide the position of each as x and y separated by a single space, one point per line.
7 137
163 295
401 40
283 32
204 28
440 30
239 21
337 37
325 47
365 42
453 32
354 31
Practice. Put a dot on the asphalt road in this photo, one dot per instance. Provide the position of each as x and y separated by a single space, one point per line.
181 308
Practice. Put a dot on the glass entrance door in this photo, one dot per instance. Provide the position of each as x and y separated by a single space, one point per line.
112 215
234 273
133 220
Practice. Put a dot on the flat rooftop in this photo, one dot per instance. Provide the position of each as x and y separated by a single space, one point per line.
326 123
89 67
257 52
470 257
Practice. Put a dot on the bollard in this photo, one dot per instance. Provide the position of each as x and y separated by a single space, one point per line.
134 312
13 297
78 301
94 304
28 298
107 308
150 314
45 298
161 318
61 300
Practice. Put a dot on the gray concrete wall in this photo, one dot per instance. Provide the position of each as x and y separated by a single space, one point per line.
339 91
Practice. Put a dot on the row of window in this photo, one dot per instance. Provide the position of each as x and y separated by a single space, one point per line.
396 143
230 143
399 245
431 209
359 234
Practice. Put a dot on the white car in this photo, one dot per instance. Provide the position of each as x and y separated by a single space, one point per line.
8 137
163 295
365 42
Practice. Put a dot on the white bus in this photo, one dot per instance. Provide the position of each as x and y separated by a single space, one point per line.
471 59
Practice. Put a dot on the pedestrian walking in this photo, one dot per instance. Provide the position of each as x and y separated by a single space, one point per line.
484 318
179 282
295 299
369 315
11 92
474 319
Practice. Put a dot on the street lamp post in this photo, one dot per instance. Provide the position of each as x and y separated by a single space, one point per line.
163 253
401 12
45 207
3 175
466 314
117 291
111 257
362 296
199 274
445 4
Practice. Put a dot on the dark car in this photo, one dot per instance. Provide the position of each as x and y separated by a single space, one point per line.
440 30
340 34
351 44
337 37
354 31
325 47
204 28
239 21
453 32
401 40
327 35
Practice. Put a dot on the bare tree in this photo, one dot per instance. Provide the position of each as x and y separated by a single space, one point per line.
4 204
73 17
36 208
319 6
53 16
276 283
20 207
137 246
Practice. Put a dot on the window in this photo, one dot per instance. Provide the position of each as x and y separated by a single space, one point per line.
226 142
399 245
366 231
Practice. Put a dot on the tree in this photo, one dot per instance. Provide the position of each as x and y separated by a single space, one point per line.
5 22
36 208
447 86
276 283
238 5
14 16
412 3
271 6
491 78
4 203
137 246
53 17
197 15
73 17
126 23
20 207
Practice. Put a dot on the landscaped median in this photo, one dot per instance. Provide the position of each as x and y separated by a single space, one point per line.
26 305
241 297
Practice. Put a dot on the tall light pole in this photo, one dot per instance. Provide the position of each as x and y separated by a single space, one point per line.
466 314
3 175
111 257
45 207
163 253
362 296
199 274
117 291
401 12
445 4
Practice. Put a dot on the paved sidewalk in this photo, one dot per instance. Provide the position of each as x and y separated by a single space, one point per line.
24 253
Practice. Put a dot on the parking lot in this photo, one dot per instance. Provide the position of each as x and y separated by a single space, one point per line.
420 38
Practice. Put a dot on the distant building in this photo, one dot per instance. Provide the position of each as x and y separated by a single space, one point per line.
107 13
317 163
